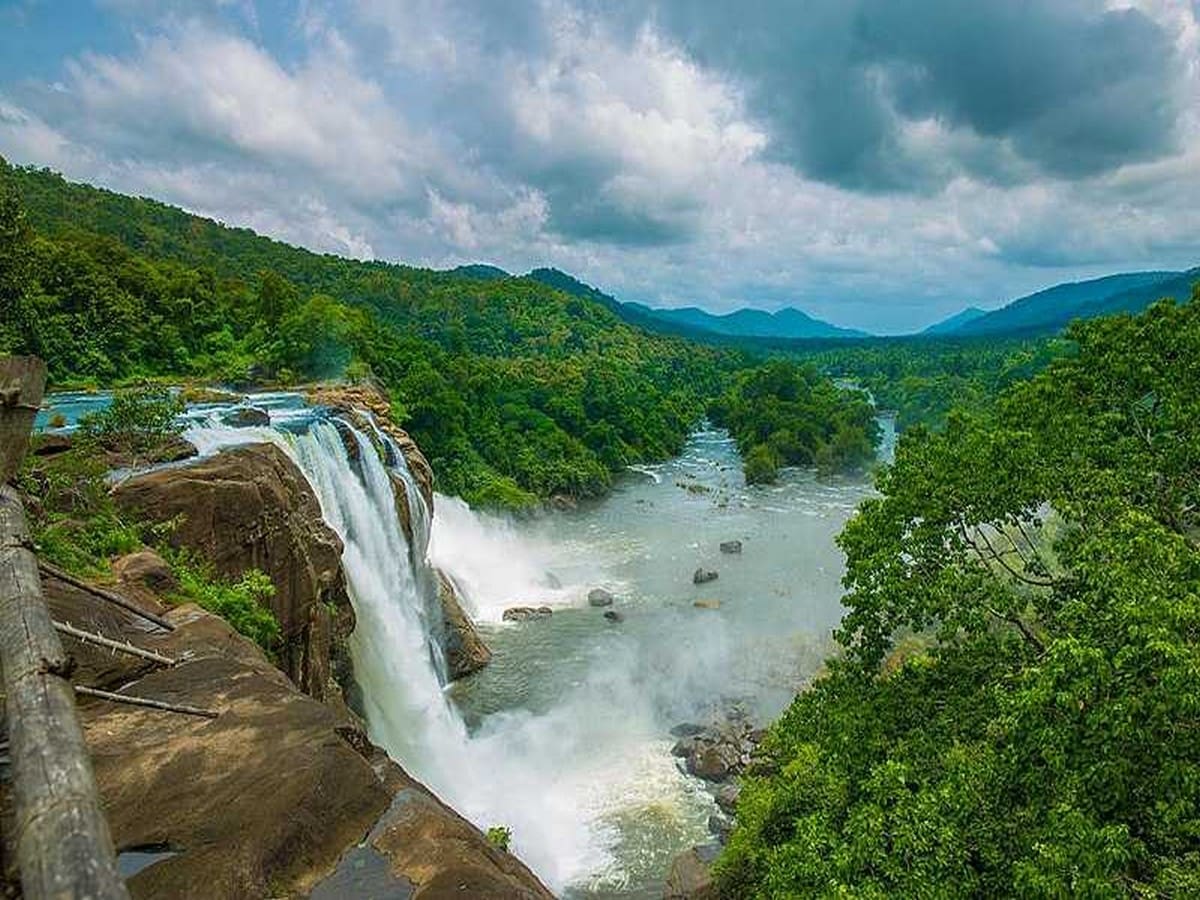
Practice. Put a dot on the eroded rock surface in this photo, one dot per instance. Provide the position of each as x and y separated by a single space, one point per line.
464 649
251 508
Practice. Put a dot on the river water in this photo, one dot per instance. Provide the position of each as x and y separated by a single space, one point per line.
574 711
564 738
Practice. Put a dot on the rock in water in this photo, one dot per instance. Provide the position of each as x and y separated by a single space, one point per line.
727 798
707 604
600 597
246 417
525 613
704 576
613 616
464 649
691 875
731 546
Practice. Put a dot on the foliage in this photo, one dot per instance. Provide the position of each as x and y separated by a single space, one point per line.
138 420
783 413
514 390
499 836
921 379
1047 743
74 522
242 603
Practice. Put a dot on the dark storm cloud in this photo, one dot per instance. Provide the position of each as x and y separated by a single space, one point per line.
1069 88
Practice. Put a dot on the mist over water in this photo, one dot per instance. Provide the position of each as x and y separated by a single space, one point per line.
564 737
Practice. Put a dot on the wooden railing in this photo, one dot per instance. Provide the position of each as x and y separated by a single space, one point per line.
62 842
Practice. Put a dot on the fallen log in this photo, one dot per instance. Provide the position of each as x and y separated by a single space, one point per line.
116 599
147 702
100 640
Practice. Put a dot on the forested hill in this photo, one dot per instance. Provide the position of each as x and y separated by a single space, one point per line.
517 391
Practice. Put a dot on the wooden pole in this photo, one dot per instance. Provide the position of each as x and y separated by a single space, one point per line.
148 702
63 846
22 382
120 646
116 599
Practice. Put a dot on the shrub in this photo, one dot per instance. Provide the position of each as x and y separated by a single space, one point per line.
137 420
499 836
241 603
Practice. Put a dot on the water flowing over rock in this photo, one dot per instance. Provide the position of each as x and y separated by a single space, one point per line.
464 649
250 507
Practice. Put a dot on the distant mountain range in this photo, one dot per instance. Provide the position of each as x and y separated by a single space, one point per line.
1052 309
1044 312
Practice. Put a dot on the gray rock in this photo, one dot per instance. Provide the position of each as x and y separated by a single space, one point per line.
246 416
687 729
613 616
727 797
720 827
525 613
731 546
703 576
600 597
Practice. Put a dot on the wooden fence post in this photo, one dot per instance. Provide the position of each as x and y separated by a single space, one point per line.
63 847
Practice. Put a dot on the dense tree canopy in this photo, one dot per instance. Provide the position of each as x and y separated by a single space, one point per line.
1017 708
783 413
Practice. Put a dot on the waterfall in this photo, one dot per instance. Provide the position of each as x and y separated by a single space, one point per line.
535 773
396 662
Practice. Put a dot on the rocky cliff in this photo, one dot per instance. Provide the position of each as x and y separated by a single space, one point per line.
278 796
251 508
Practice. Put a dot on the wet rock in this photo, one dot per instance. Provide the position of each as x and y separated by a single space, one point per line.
713 761
707 604
599 597
727 797
684 747
613 616
731 546
246 417
720 827
704 576
563 503
200 395
464 649
690 877
687 729
525 613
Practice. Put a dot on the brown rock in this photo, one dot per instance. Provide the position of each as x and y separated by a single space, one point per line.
148 572
251 508
464 649
269 797
706 604
525 613
350 398
691 875
49 444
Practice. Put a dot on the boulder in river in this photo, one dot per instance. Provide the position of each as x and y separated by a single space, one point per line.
246 417
613 616
690 877
727 797
462 646
707 604
600 597
704 576
731 546
525 613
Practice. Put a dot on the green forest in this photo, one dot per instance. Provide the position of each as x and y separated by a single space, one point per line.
515 391
1015 710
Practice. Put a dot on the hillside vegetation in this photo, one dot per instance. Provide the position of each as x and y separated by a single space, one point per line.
1016 708
515 390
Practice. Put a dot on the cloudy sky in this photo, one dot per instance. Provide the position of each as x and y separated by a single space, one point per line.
879 163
